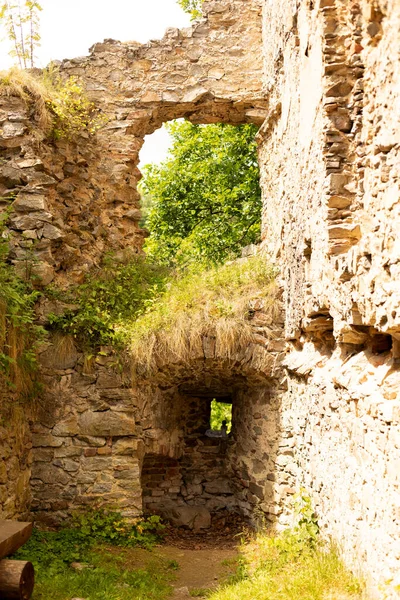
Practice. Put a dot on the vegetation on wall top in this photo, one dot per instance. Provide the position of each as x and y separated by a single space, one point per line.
60 106
210 302
114 295
192 7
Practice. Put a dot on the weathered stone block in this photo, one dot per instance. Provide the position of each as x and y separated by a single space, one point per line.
67 427
107 423
30 202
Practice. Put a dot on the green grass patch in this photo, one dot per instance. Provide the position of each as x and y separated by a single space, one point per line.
89 559
290 567
200 592
110 297
105 583
159 313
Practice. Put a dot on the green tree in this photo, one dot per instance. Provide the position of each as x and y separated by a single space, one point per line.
193 7
220 412
21 22
205 199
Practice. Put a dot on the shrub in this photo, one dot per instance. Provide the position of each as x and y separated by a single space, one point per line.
115 294
100 572
53 550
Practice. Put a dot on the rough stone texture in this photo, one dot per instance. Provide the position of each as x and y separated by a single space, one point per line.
67 200
329 155
327 100
98 440
74 201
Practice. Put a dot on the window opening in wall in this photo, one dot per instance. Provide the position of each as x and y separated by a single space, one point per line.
200 200
221 416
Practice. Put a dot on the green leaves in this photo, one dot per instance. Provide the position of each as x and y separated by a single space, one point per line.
50 550
205 199
73 112
193 7
21 23
116 294
19 335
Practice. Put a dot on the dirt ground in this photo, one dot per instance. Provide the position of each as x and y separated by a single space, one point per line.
201 561
200 569
206 559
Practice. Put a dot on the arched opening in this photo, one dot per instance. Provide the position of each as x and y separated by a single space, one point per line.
191 473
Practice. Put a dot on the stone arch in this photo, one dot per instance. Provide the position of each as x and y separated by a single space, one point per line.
208 73
185 473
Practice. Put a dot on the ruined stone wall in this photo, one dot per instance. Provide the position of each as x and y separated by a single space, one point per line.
197 475
100 439
66 197
329 154
327 102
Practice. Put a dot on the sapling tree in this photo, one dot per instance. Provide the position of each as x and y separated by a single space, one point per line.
21 22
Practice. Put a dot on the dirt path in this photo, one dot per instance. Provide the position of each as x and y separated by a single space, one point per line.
200 569
197 561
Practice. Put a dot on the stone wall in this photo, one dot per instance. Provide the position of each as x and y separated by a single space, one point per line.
326 99
329 154
98 439
67 200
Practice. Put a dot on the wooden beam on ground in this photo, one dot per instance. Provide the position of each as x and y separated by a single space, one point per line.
17 579
13 535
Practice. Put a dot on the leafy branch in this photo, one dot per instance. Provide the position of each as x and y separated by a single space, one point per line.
22 27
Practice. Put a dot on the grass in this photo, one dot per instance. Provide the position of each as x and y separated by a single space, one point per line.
288 567
60 106
93 559
31 89
109 582
212 303
109 298
200 592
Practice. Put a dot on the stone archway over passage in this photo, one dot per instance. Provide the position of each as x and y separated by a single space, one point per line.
187 474
208 73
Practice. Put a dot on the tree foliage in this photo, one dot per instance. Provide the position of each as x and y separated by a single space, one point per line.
193 7
21 22
205 199
220 412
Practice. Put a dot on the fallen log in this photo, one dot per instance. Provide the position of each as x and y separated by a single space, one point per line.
17 579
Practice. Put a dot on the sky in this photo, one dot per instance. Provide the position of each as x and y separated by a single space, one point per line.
70 27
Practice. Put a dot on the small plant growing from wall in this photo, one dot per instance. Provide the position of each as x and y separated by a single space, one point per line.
19 335
60 107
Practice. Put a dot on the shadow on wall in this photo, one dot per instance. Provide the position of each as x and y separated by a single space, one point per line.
189 473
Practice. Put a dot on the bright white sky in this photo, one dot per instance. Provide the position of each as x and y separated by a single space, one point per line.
70 27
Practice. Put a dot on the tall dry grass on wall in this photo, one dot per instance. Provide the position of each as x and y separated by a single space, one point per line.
213 305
